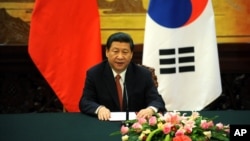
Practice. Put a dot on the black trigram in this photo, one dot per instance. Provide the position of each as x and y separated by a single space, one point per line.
172 62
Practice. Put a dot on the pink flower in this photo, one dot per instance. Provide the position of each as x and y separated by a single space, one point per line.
142 120
195 115
137 126
206 125
167 128
188 128
175 127
189 125
152 121
173 117
219 126
227 130
182 138
124 130
210 123
180 132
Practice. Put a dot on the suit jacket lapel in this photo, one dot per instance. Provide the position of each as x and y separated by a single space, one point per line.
110 84
130 78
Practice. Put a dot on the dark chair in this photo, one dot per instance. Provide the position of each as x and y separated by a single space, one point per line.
152 70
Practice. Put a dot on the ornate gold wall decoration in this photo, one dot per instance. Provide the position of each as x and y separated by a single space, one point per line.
231 17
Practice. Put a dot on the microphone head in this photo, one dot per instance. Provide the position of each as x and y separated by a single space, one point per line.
126 124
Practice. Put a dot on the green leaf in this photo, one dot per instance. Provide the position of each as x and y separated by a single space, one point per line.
153 133
167 138
115 133
133 138
220 136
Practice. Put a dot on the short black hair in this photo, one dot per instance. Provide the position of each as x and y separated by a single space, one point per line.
120 37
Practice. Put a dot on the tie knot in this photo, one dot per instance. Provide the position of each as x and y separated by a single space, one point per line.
118 76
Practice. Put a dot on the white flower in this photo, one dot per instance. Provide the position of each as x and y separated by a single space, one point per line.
207 134
125 138
147 131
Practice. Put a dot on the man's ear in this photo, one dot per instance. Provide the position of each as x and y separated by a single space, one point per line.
106 52
132 53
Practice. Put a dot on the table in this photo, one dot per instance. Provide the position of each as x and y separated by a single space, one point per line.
80 127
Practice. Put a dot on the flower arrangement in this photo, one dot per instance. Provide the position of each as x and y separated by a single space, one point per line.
173 126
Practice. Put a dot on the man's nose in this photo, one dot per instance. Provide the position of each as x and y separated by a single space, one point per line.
120 55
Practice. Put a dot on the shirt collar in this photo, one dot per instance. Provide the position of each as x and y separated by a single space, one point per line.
122 74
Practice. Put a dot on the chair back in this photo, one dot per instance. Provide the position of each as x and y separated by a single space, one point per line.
152 70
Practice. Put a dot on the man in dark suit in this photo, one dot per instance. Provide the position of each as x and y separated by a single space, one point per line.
100 93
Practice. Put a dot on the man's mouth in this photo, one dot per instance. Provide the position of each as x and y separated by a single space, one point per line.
119 63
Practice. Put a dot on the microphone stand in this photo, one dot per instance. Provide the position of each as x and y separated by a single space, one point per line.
127 107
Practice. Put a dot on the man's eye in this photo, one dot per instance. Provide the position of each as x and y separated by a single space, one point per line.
125 51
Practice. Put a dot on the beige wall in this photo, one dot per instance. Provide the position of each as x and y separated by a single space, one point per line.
231 18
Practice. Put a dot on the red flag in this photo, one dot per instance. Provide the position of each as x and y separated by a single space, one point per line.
64 42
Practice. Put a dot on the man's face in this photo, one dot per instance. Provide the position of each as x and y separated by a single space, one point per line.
119 56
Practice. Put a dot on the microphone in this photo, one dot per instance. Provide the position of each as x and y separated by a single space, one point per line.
126 99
